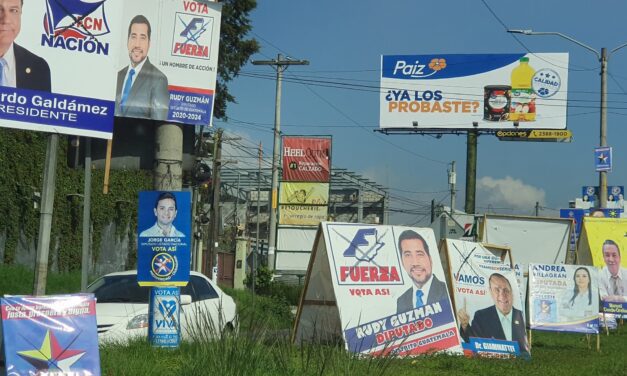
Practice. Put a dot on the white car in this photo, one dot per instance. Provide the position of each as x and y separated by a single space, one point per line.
122 308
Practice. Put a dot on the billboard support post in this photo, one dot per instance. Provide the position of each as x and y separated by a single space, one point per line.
280 65
45 219
471 170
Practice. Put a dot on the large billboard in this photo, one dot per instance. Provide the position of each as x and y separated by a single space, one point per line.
306 158
167 67
58 60
497 91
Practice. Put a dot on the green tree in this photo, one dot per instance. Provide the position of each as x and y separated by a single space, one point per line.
235 49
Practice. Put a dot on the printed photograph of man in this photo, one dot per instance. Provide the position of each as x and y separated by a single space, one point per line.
19 67
165 210
142 89
613 278
416 258
499 321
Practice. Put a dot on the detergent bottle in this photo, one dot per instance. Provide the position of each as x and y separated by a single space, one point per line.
523 107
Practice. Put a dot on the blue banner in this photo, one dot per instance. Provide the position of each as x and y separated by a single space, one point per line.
190 107
603 159
164 225
50 335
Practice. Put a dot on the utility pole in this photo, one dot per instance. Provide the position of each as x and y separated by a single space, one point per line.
471 169
215 201
537 209
254 266
280 66
452 178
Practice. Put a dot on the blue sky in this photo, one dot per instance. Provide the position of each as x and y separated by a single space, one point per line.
343 40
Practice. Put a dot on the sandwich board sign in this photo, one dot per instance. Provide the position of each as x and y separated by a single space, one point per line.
362 287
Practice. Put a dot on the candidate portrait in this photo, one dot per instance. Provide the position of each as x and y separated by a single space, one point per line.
425 288
165 211
19 68
142 89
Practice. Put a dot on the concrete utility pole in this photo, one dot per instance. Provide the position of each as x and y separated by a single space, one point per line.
168 172
452 179
279 65
537 209
471 170
85 262
603 57
45 215
215 201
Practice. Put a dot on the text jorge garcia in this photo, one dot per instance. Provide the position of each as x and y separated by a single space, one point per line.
55 108
401 325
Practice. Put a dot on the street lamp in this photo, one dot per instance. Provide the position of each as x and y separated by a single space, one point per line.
602 57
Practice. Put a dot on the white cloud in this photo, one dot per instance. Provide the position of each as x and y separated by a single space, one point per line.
508 193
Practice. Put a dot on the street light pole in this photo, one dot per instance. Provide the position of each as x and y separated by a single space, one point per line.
603 57
280 65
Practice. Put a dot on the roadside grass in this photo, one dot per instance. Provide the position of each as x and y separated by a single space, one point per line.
262 347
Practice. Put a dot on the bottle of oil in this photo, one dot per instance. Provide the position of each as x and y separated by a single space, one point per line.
523 106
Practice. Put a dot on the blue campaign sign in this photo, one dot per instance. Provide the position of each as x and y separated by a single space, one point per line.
603 158
577 215
164 225
164 317
50 335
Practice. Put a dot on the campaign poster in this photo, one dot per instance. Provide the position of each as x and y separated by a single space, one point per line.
306 158
50 335
59 57
453 91
304 193
302 215
164 227
390 290
487 300
605 238
168 60
164 317
563 298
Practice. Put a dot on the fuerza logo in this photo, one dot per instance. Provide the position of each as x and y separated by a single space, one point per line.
75 25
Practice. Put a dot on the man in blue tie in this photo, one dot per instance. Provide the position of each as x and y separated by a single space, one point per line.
426 288
142 89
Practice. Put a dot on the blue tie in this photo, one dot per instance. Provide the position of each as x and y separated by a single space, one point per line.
419 302
127 86
3 65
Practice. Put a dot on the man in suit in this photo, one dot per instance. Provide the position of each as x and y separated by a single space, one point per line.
142 89
426 288
499 321
613 277
19 67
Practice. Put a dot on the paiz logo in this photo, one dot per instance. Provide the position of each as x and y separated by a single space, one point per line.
418 69
192 32
76 25
368 256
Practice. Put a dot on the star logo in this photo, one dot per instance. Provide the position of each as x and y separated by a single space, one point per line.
163 265
602 158
51 356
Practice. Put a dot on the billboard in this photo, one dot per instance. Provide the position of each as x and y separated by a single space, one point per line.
51 56
497 91
164 226
306 158
168 60
304 193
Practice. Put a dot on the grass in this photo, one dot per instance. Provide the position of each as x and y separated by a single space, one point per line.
262 347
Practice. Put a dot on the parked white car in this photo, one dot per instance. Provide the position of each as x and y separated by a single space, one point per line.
122 308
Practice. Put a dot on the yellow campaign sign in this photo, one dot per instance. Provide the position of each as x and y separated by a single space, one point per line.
302 215
304 193
599 230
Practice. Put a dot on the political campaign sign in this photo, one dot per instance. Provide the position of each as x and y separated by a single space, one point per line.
453 91
50 335
563 298
164 317
168 60
487 300
164 223
388 289
602 244
58 60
